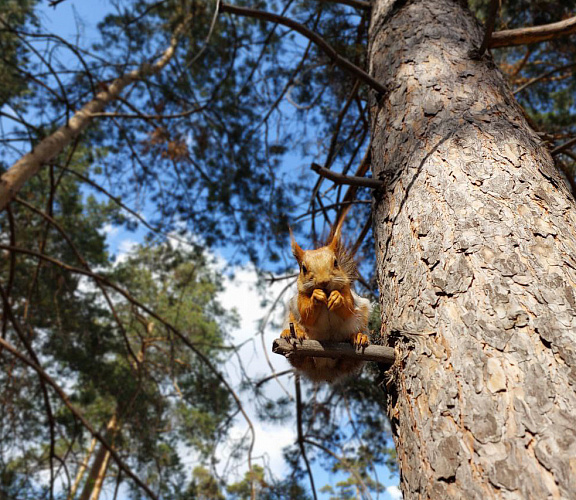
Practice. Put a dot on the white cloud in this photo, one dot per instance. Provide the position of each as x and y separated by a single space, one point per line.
240 293
109 231
394 492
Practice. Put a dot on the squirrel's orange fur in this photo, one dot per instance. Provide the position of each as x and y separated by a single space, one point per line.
326 308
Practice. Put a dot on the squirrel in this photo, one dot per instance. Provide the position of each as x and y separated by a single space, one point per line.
326 308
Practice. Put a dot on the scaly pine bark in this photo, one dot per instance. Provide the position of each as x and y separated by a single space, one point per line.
476 251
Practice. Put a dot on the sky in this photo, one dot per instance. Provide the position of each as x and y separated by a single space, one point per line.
77 19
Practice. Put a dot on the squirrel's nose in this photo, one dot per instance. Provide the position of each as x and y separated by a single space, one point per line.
322 284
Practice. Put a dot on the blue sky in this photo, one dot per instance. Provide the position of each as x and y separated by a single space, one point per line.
77 20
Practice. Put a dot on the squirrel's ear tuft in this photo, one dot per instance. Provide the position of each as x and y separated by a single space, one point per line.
335 242
336 233
296 250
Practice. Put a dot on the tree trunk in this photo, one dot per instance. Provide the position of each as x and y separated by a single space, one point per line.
81 471
476 252
95 479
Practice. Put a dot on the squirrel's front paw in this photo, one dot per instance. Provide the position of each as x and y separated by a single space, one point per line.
318 295
335 301
359 340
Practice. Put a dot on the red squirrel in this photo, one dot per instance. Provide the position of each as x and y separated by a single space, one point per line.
326 308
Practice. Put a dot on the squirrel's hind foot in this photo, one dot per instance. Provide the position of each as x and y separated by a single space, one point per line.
359 340
300 333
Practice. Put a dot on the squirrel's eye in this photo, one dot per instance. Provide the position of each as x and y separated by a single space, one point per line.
304 270
335 262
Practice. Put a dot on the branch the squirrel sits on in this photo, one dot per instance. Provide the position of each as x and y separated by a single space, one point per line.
326 308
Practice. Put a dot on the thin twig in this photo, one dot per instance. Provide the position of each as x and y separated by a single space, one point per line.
301 438
311 35
347 179
156 316
64 397
274 376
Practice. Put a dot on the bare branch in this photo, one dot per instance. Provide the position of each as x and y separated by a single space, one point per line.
490 23
335 350
542 76
534 34
347 179
191 345
311 35
563 147
358 4
301 439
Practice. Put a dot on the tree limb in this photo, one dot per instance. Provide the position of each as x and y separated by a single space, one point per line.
490 23
563 147
542 76
358 4
336 350
347 179
311 35
534 34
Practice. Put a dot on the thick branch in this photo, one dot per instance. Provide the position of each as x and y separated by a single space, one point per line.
335 350
347 179
312 36
51 146
534 34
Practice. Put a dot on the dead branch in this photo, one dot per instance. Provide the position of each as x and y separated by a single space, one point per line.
347 179
336 350
534 34
563 147
357 4
311 35
490 23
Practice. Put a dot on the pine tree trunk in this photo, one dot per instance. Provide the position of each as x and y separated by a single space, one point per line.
476 252
81 471
95 479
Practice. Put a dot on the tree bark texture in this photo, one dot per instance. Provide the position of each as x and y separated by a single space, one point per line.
476 250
